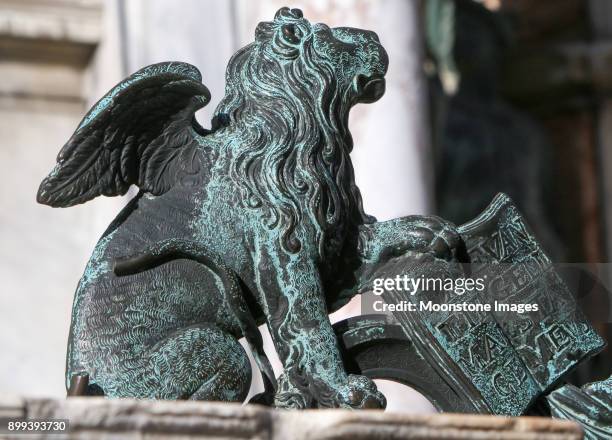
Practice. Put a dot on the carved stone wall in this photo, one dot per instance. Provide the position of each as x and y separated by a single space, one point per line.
96 418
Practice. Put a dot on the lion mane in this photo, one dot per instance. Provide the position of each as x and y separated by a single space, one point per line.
293 149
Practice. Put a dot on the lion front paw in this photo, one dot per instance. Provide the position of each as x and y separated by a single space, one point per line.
430 235
360 392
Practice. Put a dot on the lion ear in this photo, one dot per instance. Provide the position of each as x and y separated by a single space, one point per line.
292 14
288 31
291 33
286 42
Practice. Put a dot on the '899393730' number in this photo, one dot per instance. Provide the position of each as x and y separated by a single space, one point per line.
51 425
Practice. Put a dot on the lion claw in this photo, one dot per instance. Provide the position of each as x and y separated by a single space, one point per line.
360 392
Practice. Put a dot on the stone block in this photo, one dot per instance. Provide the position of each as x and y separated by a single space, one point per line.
94 418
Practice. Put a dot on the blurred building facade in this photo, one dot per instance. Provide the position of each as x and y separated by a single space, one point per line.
531 117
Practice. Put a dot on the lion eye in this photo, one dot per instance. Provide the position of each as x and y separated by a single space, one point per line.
290 33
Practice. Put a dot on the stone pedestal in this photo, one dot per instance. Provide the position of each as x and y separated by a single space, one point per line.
98 418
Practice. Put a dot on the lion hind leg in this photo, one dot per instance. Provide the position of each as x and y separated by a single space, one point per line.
200 363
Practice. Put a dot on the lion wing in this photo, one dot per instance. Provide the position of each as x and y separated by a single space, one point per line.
133 135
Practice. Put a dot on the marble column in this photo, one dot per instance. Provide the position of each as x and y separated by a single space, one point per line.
45 51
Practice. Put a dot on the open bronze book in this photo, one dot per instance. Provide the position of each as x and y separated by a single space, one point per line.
503 358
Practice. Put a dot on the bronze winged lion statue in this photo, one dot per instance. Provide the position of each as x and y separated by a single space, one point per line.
257 220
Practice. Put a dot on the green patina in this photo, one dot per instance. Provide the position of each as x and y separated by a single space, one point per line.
257 220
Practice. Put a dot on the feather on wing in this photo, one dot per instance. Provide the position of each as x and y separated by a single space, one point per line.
135 134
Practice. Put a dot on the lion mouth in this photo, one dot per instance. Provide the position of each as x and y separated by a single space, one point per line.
369 88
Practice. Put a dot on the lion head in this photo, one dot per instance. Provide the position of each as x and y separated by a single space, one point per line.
288 96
